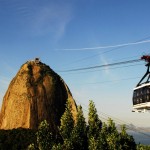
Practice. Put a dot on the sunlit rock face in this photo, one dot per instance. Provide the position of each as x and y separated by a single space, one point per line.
35 94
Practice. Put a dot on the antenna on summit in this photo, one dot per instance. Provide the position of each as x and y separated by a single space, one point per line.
37 60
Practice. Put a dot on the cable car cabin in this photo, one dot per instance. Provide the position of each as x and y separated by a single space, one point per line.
141 93
141 98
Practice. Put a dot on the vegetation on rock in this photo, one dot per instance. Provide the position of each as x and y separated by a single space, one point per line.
79 135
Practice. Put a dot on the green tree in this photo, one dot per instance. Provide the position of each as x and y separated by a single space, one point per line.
94 127
31 147
94 123
143 147
79 134
66 127
45 139
16 138
126 141
57 147
93 144
103 138
67 122
111 139
112 136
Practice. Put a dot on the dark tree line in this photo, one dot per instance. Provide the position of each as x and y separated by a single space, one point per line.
72 135
79 135
16 139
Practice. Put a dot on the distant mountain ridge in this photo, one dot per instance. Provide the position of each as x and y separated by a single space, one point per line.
35 94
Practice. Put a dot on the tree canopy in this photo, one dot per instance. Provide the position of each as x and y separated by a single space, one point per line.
73 134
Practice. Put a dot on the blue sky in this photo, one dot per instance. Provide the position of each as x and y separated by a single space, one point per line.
35 28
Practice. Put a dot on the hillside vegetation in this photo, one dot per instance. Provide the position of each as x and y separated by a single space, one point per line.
79 135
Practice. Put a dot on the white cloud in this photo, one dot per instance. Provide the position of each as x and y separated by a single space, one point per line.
52 19
40 18
107 46
109 73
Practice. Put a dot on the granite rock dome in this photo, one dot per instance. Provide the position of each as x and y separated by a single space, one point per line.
35 94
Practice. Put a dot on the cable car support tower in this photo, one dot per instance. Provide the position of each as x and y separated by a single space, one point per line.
141 93
147 59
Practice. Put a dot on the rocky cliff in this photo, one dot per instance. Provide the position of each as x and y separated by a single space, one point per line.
36 93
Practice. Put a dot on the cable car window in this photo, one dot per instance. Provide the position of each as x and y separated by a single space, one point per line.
144 98
145 91
141 100
148 98
135 101
141 95
135 94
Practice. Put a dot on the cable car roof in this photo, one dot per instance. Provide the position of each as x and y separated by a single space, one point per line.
142 85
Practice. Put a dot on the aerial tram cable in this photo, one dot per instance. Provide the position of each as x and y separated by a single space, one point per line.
141 93
97 70
100 66
108 81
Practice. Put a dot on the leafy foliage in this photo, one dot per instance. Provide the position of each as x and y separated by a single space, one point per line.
16 139
143 147
79 134
66 129
111 139
94 127
126 140
67 123
45 138
94 123
74 135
